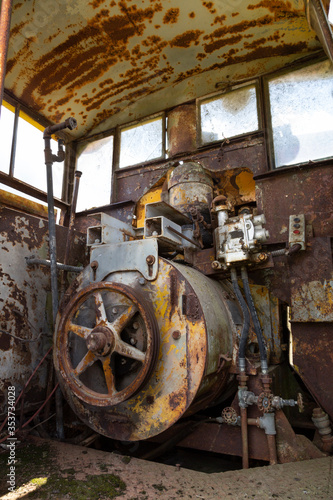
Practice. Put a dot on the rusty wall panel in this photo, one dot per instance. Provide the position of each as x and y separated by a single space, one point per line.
307 191
24 298
313 360
245 153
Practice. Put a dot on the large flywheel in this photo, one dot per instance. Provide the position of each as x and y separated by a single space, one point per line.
107 343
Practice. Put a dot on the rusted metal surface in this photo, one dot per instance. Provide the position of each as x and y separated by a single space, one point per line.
306 191
147 43
312 345
24 297
182 129
5 17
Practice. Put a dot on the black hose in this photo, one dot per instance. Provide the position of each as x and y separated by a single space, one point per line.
246 319
255 319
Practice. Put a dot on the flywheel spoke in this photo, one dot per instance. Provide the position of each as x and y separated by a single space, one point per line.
100 309
81 331
109 377
85 362
129 351
119 323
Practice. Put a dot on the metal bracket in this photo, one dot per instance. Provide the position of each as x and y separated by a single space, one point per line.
129 256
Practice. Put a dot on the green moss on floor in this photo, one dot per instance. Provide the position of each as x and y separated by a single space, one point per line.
35 466
103 486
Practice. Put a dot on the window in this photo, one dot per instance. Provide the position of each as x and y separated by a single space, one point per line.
28 162
229 115
95 163
143 142
301 106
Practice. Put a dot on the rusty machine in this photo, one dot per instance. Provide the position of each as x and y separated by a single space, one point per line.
156 327
193 303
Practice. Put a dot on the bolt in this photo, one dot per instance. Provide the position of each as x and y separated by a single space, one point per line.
94 265
114 310
176 334
262 257
150 260
123 361
133 341
136 325
216 265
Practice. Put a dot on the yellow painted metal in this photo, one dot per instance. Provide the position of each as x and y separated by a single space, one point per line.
109 63
153 195
31 207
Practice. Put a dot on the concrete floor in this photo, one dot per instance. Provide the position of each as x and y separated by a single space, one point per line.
49 469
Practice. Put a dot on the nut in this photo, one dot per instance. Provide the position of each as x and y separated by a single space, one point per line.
150 260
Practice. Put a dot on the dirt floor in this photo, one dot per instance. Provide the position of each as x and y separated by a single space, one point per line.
54 470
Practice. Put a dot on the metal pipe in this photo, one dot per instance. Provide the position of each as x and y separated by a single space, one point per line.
49 159
72 215
32 261
5 18
271 441
245 442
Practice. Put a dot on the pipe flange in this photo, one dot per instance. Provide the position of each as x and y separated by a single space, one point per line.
107 343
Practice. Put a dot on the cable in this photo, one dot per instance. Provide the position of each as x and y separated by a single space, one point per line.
246 319
255 319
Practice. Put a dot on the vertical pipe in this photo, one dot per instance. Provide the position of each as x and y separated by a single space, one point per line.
245 442
5 18
72 215
271 441
54 277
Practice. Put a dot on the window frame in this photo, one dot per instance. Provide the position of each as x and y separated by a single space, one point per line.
298 65
80 147
136 123
252 82
22 111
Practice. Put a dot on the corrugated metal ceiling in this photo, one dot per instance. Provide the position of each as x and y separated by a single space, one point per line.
108 62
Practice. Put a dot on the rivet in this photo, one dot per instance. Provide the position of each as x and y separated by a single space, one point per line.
176 334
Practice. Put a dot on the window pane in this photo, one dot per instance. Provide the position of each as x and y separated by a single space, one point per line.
232 114
6 133
95 163
30 162
141 143
302 114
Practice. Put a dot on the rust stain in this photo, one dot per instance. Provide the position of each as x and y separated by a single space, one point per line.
185 39
280 9
171 16
107 39
96 3
191 15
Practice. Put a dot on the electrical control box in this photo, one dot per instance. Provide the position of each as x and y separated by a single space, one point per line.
297 230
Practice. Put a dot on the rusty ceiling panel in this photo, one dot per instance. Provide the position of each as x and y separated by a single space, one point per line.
102 61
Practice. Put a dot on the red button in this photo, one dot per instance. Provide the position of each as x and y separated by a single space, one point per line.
296 231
